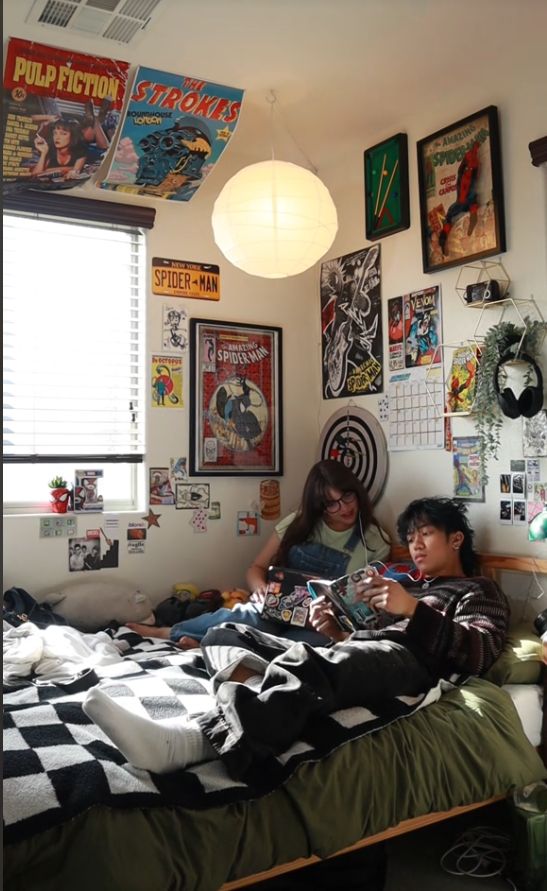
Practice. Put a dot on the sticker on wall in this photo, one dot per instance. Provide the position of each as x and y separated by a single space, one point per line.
354 437
214 510
161 491
175 129
191 496
110 549
83 555
136 538
57 527
174 336
270 500
247 522
166 380
177 278
152 519
199 520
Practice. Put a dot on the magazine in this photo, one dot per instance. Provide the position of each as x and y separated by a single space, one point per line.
288 598
351 614
462 380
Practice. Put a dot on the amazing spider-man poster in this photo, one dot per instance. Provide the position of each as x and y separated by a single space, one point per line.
235 399
174 132
351 324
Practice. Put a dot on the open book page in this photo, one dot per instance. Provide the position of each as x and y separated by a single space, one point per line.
351 613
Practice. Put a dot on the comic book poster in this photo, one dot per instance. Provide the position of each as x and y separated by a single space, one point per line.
395 334
468 484
235 394
175 130
61 112
351 324
166 381
462 380
422 327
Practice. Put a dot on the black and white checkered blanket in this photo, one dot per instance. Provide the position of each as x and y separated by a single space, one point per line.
58 763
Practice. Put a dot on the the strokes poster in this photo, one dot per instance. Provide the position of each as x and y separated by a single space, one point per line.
175 130
61 112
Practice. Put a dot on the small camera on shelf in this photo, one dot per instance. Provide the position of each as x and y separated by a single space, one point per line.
483 292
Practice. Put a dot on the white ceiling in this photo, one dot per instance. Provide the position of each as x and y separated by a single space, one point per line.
342 69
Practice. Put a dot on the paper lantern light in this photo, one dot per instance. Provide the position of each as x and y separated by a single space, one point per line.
274 219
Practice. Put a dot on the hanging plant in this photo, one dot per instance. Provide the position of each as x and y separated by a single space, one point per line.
487 414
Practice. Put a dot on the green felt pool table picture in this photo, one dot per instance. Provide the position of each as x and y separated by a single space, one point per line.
386 187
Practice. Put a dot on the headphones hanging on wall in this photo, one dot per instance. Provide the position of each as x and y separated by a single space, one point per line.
530 401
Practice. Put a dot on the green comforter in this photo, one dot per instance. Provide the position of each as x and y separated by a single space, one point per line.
465 748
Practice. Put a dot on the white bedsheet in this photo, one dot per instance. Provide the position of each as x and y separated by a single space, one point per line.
528 700
58 653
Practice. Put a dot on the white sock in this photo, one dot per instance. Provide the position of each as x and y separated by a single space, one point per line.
159 746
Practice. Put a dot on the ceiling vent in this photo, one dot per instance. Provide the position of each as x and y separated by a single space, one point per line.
122 21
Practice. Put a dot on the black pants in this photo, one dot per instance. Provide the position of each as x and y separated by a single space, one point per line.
300 683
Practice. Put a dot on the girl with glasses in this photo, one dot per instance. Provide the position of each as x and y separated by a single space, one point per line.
332 532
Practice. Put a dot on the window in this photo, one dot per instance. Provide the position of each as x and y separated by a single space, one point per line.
73 356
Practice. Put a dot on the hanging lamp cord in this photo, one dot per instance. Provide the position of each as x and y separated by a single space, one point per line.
273 100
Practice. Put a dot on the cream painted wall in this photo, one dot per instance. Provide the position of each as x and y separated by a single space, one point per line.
219 558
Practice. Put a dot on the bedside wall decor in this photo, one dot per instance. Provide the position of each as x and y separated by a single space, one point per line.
387 207
461 192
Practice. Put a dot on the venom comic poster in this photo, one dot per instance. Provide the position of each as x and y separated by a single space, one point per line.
351 324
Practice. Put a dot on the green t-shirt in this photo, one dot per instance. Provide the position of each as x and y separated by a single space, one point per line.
376 548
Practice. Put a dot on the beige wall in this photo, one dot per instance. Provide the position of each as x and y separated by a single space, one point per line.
219 558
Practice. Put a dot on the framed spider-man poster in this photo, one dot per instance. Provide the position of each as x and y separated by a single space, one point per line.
235 399
351 324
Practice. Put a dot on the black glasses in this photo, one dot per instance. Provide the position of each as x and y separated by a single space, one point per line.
332 507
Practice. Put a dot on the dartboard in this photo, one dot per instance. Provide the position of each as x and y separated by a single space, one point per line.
354 437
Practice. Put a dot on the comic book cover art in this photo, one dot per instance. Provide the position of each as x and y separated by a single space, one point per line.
175 129
166 382
351 324
395 333
61 112
422 327
462 380
238 399
468 485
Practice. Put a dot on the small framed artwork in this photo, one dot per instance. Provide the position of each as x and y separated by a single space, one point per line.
235 399
387 208
461 192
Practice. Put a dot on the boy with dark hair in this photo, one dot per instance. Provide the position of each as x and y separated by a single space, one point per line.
268 689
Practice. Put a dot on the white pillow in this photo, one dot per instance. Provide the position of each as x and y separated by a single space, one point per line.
91 605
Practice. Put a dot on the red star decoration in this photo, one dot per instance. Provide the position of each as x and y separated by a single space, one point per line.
152 518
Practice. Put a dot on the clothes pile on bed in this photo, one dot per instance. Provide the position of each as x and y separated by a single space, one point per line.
58 763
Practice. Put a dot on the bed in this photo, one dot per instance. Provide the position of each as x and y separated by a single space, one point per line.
76 814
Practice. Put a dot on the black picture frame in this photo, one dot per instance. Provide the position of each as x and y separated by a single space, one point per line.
236 418
460 183
387 206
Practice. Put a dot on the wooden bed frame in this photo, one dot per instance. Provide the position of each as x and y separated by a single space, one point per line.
491 565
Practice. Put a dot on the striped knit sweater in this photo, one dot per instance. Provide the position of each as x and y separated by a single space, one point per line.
459 625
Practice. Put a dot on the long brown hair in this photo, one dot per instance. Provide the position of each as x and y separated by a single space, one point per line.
324 475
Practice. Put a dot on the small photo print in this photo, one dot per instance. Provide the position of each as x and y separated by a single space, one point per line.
190 496
506 512
247 522
83 554
518 483
214 510
161 491
517 466
136 533
179 471
519 513
505 483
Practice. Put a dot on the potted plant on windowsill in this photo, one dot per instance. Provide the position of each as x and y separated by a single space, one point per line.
60 495
487 414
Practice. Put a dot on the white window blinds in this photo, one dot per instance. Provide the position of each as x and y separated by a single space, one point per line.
73 341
